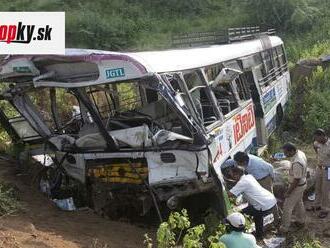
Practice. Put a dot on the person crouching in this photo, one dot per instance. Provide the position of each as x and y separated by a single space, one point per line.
261 201
236 237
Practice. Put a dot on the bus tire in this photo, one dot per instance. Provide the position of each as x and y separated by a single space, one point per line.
279 115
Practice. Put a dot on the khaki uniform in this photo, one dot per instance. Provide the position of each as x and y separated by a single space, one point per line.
319 171
322 187
294 201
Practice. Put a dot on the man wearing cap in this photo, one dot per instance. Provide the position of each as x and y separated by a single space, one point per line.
322 187
256 166
236 237
297 185
261 201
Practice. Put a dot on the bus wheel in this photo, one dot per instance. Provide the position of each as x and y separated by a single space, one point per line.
279 115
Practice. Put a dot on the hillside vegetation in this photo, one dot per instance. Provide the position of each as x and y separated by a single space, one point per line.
149 24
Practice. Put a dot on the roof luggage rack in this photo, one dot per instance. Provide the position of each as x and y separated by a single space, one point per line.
219 37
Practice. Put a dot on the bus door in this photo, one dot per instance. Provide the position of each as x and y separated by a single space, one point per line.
253 71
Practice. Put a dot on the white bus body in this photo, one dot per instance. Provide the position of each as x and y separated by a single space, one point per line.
226 98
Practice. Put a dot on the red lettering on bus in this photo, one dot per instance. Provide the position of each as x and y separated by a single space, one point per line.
243 123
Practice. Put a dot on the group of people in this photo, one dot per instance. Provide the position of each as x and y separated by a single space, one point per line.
253 178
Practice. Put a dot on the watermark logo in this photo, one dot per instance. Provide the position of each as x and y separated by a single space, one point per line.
32 32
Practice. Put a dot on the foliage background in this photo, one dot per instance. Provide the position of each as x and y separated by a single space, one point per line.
133 25
149 24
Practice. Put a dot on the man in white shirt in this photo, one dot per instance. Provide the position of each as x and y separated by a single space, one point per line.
261 201
298 184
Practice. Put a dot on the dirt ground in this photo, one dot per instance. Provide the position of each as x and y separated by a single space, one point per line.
40 224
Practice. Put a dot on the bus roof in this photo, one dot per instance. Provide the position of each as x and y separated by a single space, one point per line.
92 67
184 59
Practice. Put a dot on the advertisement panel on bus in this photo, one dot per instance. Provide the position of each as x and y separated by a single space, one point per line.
236 134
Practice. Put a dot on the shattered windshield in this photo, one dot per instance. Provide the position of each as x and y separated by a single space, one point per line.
135 114
131 104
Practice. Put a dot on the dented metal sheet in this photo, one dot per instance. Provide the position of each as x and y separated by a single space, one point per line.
180 166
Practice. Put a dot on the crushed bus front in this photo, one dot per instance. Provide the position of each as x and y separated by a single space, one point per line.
134 142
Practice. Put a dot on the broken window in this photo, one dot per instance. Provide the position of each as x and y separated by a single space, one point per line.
59 109
42 102
242 88
268 61
22 128
226 97
281 55
129 96
275 58
200 97
213 71
131 104
9 110
229 87
102 98
67 110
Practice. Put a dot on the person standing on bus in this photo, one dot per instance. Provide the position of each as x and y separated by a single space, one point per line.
257 167
236 237
297 185
261 201
323 186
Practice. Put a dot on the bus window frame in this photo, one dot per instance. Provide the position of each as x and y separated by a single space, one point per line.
247 95
241 79
210 95
271 77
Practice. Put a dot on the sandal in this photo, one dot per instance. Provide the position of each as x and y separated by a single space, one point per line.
313 208
323 215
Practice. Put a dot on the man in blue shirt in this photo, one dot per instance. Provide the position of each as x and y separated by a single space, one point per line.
237 238
261 170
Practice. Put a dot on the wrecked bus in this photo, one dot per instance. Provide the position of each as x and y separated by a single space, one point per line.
148 128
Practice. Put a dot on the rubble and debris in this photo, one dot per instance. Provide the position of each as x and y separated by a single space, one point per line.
65 204
274 242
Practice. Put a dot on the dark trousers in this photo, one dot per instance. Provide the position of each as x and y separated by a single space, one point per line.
258 218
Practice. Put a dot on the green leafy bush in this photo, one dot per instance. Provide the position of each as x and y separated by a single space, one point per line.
192 239
317 113
170 233
316 107
308 244
309 108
